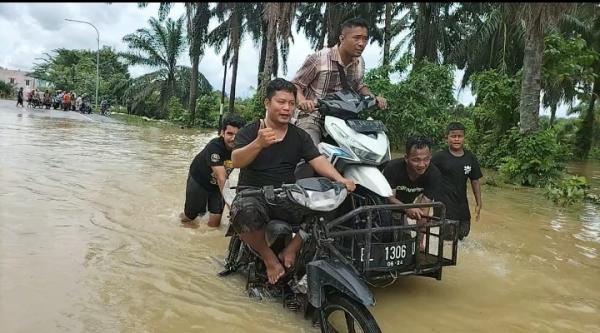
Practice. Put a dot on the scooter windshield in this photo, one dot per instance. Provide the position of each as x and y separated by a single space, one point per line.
319 194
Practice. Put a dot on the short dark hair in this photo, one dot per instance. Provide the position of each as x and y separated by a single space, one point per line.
354 22
279 84
417 142
455 126
233 120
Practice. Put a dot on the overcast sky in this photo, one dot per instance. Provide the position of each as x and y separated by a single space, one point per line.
27 30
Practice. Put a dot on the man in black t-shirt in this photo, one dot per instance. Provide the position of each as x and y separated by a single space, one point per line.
267 152
208 173
457 165
414 179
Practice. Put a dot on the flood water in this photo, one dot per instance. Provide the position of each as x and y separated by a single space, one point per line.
90 241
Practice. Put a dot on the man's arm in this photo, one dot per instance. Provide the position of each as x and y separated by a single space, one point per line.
322 166
220 176
381 102
303 103
477 193
304 77
242 157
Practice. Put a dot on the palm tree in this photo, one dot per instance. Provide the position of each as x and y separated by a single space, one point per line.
322 26
279 18
488 37
437 29
567 70
232 17
198 17
157 47
535 17
586 21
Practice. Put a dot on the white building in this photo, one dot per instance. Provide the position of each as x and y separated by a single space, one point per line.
18 78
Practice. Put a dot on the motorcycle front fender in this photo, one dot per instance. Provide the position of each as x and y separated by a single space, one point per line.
325 274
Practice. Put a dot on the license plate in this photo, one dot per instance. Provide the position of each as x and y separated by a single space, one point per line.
389 255
362 126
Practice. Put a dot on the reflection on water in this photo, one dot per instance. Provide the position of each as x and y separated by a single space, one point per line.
90 242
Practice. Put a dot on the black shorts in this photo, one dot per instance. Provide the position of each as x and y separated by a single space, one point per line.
463 228
253 213
198 199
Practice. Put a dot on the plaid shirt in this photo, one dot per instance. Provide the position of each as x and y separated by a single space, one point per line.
319 75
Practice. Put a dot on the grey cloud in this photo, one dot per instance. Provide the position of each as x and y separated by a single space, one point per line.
50 17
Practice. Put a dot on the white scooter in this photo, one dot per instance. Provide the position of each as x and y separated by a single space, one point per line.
356 147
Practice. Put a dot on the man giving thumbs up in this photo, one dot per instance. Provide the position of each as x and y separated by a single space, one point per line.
267 152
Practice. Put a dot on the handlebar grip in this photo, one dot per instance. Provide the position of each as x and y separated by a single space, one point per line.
262 191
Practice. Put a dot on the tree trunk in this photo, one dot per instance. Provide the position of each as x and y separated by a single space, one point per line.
193 90
222 96
552 114
334 20
234 61
387 39
529 107
236 41
324 25
271 44
586 132
263 52
425 32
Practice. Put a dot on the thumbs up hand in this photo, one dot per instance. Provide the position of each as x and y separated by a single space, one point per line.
266 136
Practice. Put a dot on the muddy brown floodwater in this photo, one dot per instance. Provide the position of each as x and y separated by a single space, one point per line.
90 242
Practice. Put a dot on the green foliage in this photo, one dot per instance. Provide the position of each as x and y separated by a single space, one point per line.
256 108
75 70
594 153
207 110
567 191
420 104
177 113
494 114
6 89
157 47
567 62
534 159
497 101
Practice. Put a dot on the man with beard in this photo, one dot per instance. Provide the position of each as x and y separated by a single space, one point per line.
207 175
413 178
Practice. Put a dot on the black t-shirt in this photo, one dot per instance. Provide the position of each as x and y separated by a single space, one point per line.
455 172
214 154
275 164
396 174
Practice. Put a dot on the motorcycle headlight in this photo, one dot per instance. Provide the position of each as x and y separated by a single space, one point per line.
364 154
320 201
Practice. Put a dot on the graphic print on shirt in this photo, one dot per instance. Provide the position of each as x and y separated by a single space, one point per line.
467 169
228 169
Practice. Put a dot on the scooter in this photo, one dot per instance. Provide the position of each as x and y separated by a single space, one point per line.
56 102
320 285
356 147
329 281
85 107
47 102
359 149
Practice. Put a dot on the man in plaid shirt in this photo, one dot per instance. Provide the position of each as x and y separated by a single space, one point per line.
320 75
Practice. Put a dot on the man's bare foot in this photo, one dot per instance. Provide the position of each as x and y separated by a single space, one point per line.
288 255
214 220
274 270
287 258
184 218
